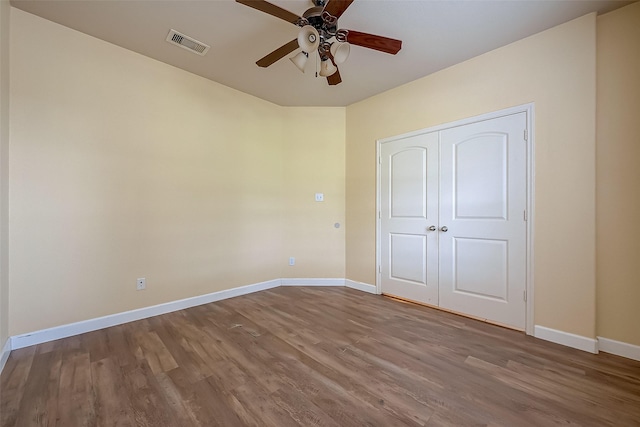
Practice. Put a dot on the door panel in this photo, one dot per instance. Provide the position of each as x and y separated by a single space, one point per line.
482 203
408 206
408 183
407 256
480 176
481 267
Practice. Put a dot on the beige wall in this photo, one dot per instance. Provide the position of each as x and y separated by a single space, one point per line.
618 174
554 69
124 167
313 159
5 10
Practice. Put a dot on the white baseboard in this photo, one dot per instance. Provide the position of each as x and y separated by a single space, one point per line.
82 327
19 341
364 287
6 350
565 338
63 331
312 282
619 348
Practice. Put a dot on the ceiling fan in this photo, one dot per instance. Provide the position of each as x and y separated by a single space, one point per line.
319 33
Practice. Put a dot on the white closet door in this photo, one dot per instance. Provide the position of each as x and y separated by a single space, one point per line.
409 206
482 208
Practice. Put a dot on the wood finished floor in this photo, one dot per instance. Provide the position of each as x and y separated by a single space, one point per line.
314 357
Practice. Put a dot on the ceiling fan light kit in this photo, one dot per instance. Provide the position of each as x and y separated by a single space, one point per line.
340 51
327 68
308 39
300 60
319 33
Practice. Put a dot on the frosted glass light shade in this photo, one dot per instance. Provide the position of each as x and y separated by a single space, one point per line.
308 39
327 68
300 60
340 51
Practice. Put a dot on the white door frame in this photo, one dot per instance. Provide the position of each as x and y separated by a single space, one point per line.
529 110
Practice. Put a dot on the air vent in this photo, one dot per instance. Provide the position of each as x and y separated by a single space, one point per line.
187 42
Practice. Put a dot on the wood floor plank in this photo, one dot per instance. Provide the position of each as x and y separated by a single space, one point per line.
260 404
205 401
361 382
178 395
301 409
180 349
155 352
314 356
182 412
327 388
75 397
112 407
39 403
14 379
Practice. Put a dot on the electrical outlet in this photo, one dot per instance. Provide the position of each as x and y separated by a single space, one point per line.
292 261
319 197
141 284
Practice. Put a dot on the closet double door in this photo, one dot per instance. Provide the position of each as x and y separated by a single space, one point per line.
453 219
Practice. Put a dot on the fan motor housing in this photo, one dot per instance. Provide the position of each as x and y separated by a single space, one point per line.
315 19
314 16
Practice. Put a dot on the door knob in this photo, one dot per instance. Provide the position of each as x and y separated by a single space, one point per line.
444 229
432 228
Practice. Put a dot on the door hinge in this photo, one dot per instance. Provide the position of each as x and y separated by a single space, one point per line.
524 296
379 214
379 160
525 215
379 269
526 135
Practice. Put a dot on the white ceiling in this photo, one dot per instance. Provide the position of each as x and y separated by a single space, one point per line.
435 35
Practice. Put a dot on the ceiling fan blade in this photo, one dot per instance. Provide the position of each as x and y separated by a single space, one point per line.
337 7
371 41
278 53
271 9
334 79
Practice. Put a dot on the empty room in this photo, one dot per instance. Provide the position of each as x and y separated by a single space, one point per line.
319 213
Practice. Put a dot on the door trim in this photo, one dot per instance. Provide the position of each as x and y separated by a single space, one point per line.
528 109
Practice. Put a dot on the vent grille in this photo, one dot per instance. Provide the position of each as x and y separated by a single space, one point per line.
187 42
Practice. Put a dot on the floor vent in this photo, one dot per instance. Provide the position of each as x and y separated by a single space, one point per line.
187 42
